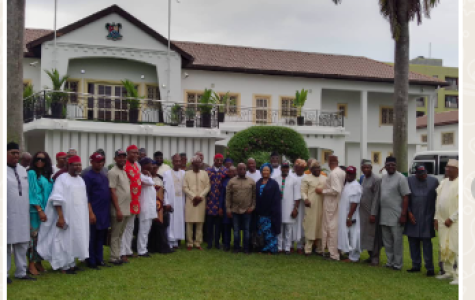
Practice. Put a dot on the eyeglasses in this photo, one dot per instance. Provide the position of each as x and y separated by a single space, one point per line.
42 159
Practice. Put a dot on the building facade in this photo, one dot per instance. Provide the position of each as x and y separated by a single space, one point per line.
348 111
446 134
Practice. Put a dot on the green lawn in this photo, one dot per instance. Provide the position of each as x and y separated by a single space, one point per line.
213 274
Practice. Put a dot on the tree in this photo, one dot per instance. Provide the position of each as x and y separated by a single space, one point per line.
15 31
399 13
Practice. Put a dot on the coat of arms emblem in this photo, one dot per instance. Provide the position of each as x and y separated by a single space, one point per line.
114 31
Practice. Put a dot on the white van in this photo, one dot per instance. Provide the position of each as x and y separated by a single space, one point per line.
434 161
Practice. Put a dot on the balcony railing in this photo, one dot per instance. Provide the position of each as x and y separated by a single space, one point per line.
107 108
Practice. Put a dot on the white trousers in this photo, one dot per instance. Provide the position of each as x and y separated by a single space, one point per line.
173 244
127 236
142 238
19 250
284 239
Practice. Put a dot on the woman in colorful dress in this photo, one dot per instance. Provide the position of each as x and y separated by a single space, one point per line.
40 186
268 209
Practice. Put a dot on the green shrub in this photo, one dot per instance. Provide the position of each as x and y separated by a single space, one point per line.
259 141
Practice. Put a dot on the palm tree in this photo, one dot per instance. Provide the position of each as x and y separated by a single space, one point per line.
15 30
399 13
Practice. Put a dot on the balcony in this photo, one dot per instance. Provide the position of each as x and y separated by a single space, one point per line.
107 108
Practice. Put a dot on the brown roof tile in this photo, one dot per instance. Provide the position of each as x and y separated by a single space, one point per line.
440 119
33 34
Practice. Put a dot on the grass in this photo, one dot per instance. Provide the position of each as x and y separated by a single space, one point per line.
214 274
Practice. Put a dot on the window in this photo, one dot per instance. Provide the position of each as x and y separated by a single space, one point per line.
344 108
262 106
421 102
73 87
232 105
386 115
424 138
153 93
193 98
376 158
447 138
104 106
454 82
288 108
325 155
451 101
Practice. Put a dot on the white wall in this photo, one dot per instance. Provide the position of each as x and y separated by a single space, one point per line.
95 33
33 73
438 130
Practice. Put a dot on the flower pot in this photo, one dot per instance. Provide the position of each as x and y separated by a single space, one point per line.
57 110
133 115
206 120
220 117
190 123
300 121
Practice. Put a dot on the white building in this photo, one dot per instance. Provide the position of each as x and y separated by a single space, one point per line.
262 82
446 126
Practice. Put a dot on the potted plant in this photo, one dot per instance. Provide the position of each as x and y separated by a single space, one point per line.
134 102
222 105
206 106
28 104
57 99
175 116
190 115
299 102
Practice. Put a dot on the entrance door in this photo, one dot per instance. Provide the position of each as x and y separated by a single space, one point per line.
105 105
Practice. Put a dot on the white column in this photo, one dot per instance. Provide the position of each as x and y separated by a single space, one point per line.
109 147
212 149
430 120
364 125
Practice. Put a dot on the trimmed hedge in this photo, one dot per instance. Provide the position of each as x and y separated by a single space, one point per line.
257 139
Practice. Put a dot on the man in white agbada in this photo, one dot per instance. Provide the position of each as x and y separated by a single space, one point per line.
175 201
446 221
18 213
65 234
148 206
252 172
349 217
298 232
290 190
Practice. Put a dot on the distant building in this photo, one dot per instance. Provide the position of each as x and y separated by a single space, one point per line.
445 131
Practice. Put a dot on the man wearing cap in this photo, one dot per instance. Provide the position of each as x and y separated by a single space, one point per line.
420 227
252 171
99 198
349 217
18 213
290 191
446 220
331 197
119 185
216 174
148 206
132 171
313 201
104 169
228 163
240 204
71 152
60 161
65 234
173 181
196 186
162 168
393 201
274 161
370 232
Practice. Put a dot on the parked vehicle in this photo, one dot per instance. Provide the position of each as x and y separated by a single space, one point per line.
434 161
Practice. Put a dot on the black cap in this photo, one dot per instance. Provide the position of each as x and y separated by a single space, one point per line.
120 152
390 159
12 146
145 160
285 165
275 153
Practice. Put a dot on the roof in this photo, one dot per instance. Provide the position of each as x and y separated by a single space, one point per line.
213 57
440 119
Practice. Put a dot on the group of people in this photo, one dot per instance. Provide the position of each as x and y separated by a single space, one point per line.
63 212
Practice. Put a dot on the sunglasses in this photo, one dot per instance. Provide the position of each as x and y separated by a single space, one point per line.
40 159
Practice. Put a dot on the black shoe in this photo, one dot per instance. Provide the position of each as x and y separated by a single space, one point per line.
116 262
93 267
414 270
368 261
104 265
9 281
78 269
226 248
69 272
236 251
247 252
218 247
209 248
430 273
287 252
27 277
145 255
396 269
